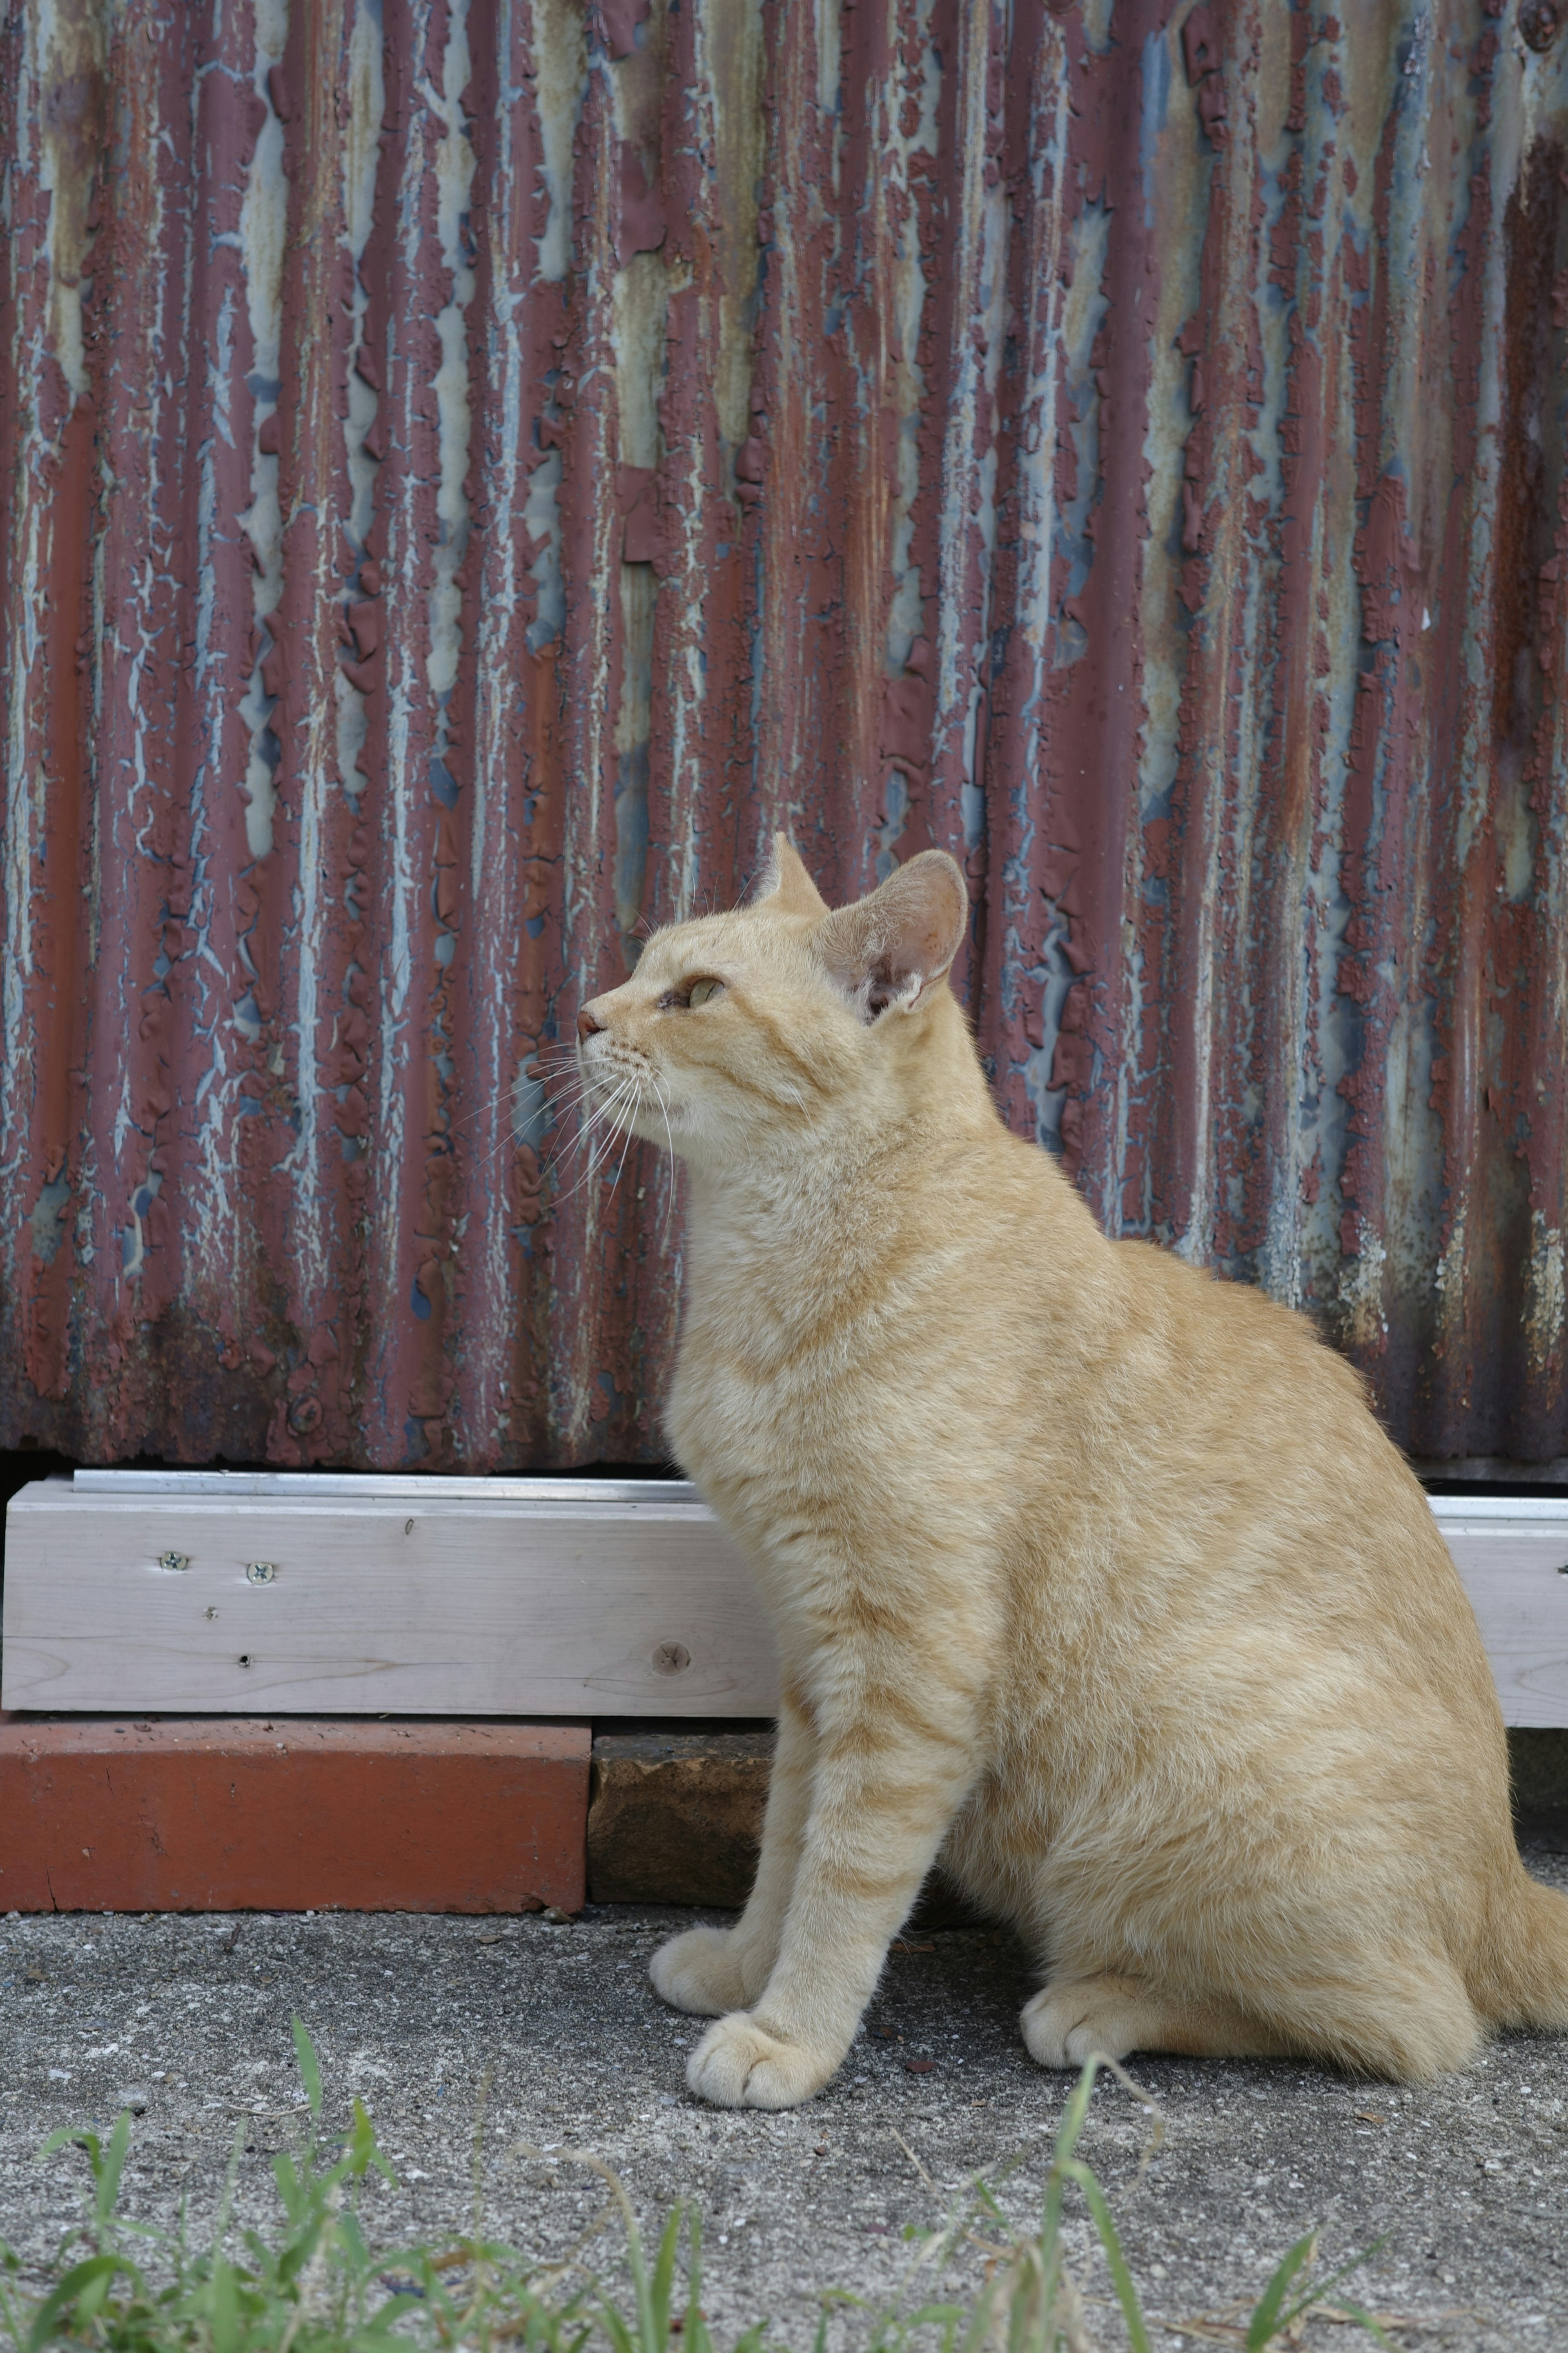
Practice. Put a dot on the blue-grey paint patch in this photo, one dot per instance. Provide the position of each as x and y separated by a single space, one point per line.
631 840
530 1107
1156 93
48 1218
895 816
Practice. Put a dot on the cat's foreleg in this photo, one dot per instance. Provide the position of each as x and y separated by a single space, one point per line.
882 1798
711 1970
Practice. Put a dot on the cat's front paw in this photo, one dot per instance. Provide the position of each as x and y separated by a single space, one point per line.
700 1972
739 2064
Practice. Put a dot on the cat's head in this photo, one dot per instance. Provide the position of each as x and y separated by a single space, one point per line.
785 1019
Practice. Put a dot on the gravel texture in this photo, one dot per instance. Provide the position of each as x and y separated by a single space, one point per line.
555 2030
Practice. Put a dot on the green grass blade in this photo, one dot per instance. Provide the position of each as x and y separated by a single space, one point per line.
365 2150
1265 2322
108 2184
935 2316
226 2315
1122 2278
1319 2288
695 2338
290 2187
309 2067
80 2278
1364 2320
1077 2110
642 2288
616 2329
664 2275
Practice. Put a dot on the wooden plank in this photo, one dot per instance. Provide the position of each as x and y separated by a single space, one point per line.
471 1598
1512 1554
401 1604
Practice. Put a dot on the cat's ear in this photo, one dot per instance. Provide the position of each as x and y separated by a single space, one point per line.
786 889
892 951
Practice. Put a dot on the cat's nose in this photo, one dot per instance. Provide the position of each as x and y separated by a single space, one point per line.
587 1025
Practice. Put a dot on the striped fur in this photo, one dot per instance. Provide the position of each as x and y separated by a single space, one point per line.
1091 1574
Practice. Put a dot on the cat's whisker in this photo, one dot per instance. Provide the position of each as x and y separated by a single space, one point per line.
604 1110
455 1126
596 1117
553 1154
512 1141
569 1097
631 1135
584 1141
542 1151
625 1094
559 1106
563 1057
674 1165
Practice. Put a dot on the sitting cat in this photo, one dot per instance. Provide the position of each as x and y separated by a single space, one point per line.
1091 1574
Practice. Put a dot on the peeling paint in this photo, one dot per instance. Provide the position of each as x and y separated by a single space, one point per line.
561 55
477 464
263 229
67 56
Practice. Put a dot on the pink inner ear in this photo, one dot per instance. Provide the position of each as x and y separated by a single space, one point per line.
912 928
886 985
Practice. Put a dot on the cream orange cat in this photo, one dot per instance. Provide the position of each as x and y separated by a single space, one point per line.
1091 1574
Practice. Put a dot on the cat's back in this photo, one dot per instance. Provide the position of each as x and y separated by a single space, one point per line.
1233 1496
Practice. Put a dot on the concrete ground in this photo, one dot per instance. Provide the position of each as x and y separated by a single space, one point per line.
190 2018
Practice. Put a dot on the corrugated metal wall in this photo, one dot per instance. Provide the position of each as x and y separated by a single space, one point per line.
470 468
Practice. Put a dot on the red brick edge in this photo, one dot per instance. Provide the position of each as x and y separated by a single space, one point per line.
220 1814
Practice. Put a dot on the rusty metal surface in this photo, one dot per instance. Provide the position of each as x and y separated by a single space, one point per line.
471 467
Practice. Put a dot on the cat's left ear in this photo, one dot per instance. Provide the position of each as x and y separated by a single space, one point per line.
785 886
892 951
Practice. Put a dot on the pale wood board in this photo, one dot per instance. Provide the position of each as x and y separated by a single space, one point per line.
1512 1555
504 1597
389 1605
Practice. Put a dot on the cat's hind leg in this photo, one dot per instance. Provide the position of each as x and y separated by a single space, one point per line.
1072 2018
1402 2015
711 1971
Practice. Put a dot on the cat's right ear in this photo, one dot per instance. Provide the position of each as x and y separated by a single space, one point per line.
786 889
894 949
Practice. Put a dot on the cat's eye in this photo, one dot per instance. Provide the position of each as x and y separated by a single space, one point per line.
691 993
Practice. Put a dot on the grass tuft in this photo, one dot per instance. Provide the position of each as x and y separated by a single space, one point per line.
317 2285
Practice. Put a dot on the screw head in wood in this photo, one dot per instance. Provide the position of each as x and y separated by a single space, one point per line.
260 1572
173 1560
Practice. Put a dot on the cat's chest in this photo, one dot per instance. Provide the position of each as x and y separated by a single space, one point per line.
744 1407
